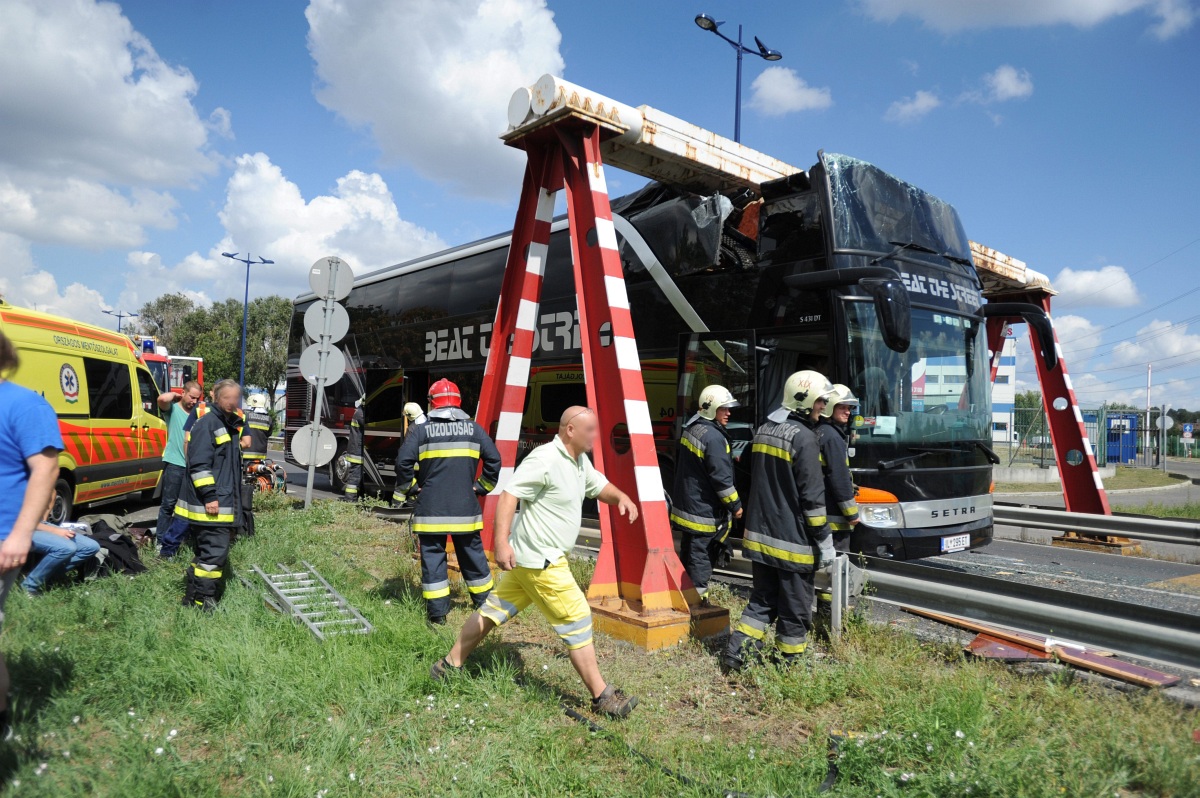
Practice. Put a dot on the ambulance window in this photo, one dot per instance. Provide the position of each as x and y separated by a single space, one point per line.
110 392
149 391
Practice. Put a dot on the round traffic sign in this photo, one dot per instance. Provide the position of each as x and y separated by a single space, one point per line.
331 275
310 364
314 321
302 445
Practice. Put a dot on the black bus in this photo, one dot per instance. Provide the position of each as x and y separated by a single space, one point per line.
844 269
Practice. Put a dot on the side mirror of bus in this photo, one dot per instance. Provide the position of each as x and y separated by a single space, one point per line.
892 309
1037 320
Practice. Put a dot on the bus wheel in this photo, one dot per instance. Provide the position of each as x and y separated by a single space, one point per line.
339 469
64 502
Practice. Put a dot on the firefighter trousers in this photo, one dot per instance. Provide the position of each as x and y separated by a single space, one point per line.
783 598
206 580
699 554
435 579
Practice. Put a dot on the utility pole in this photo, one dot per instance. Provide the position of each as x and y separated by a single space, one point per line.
1149 369
121 316
249 261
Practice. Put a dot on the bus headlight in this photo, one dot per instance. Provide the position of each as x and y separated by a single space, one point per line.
879 508
881 515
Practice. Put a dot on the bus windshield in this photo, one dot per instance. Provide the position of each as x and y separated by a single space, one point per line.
937 391
876 212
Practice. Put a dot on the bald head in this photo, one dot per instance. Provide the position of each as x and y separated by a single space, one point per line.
577 428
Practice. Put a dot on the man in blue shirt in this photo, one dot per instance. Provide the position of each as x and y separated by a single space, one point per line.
29 447
177 406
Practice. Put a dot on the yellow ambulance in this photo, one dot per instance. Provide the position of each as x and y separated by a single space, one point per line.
106 403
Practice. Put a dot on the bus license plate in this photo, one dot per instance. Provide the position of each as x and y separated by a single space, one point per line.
956 543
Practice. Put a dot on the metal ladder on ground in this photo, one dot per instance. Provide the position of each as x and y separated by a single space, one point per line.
309 598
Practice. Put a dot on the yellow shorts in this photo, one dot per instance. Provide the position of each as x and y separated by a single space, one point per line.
553 591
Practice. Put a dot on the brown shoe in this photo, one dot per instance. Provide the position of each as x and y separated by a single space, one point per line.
614 703
442 669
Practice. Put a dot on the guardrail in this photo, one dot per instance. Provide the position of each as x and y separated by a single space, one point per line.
1166 636
1139 527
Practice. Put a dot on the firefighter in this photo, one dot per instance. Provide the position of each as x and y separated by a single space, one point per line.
703 497
448 448
787 534
256 434
833 434
354 453
414 414
211 497
257 428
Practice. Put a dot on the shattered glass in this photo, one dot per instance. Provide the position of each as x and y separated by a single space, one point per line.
876 212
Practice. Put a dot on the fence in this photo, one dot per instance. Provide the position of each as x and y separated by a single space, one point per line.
1118 437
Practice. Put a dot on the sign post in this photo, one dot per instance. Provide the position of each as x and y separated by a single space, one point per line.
322 362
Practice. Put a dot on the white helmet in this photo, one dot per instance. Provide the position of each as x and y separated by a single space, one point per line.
413 411
803 389
713 398
257 401
842 396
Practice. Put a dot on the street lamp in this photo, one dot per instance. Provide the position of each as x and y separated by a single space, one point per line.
705 22
249 261
121 316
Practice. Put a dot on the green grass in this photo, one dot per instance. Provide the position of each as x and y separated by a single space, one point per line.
1124 479
1188 510
120 691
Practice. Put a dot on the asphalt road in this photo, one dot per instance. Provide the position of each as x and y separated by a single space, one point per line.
1154 583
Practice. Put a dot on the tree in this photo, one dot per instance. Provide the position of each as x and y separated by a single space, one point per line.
164 319
1029 419
1028 400
267 343
215 334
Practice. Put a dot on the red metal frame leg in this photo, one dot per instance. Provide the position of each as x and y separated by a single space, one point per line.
1083 491
637 561
506 376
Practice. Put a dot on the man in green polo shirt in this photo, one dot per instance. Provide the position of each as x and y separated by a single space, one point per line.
551 484
177 407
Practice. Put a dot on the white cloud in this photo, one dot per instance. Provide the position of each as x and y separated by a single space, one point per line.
93 125
1163 342
779 90
1110 286
949 16
23 284
431 79
911 109
1008 83
1078 338
266 215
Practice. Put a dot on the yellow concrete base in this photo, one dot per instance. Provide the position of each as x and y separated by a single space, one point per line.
656 630
1114 545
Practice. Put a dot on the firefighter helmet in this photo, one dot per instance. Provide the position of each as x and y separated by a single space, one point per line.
257 401
413 411
444 393
713 398
842 396
803 389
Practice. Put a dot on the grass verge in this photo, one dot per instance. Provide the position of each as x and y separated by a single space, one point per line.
120 691
1188 510
1125 479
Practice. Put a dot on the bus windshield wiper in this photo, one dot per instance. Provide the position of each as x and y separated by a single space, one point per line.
888 465
956 259
988 451
900 246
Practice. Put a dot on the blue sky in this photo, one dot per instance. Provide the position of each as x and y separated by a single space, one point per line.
1064 132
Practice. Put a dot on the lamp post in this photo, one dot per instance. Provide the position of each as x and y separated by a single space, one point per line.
705 22
121 316
249 261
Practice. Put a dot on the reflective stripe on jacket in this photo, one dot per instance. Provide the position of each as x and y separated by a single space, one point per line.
703 491
449 453
214 472
839 483
785 514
